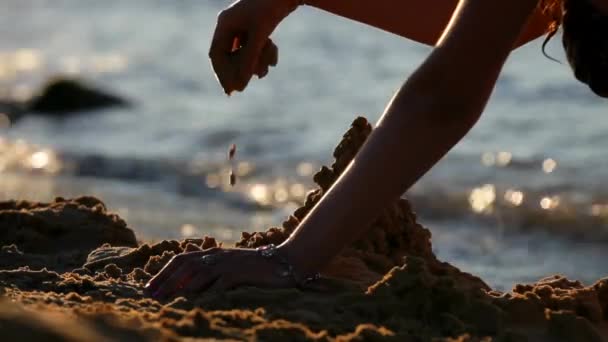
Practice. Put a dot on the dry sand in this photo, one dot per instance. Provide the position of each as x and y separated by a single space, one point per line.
72 271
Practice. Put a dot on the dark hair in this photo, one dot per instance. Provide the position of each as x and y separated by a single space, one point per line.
585 40
554 10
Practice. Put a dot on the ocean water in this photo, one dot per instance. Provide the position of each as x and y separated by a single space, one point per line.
521 197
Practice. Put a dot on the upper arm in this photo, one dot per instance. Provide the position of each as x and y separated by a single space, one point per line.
480 30
420 20
538 25
461 71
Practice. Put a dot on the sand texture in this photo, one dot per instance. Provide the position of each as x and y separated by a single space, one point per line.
72 271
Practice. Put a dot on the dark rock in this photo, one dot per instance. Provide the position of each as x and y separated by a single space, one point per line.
10 112
64 95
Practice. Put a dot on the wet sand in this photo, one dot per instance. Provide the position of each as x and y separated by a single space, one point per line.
72 271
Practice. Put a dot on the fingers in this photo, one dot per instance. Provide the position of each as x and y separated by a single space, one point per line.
246 59
194 277
169 269
270 53
236 56
211 270
268 57
220 52
201 282
176 281
173 266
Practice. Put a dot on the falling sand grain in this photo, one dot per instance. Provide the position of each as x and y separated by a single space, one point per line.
231 154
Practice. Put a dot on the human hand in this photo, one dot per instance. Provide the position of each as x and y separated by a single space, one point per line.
241 46
217 269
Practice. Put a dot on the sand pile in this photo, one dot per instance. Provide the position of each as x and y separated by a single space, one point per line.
388 285
57 235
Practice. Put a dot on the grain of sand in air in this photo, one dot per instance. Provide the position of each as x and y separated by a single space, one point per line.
231 154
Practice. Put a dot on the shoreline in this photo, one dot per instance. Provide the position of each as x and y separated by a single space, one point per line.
72 270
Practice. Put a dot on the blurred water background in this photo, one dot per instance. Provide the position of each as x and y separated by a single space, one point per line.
523 196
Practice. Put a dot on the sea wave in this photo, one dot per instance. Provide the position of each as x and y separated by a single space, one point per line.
554 207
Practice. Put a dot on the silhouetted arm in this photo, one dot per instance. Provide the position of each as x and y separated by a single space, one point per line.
419 20
431 112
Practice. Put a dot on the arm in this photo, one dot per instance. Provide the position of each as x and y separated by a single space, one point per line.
419 20
434 109
253 21
431 112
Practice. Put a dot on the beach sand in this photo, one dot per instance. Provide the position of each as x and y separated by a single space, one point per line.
72 271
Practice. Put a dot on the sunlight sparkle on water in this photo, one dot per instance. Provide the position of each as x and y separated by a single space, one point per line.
39 160
27 157
503 158
549 203
305 169
297 190
281 195
27 60
500 159
549 165
19 61
599 209
482 198
514 197
188 230
259 193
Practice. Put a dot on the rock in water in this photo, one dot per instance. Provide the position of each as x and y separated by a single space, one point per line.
64 95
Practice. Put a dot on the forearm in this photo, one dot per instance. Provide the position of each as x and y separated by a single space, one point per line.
392 160
432 111
419 20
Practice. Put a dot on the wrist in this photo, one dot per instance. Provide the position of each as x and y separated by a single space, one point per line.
302 264
287 268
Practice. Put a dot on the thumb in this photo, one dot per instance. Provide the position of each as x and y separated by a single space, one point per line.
247 57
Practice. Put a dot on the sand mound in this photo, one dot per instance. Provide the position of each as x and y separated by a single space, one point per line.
394 235
57 235
411 295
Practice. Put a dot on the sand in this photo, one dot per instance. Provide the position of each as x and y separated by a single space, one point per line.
72 271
